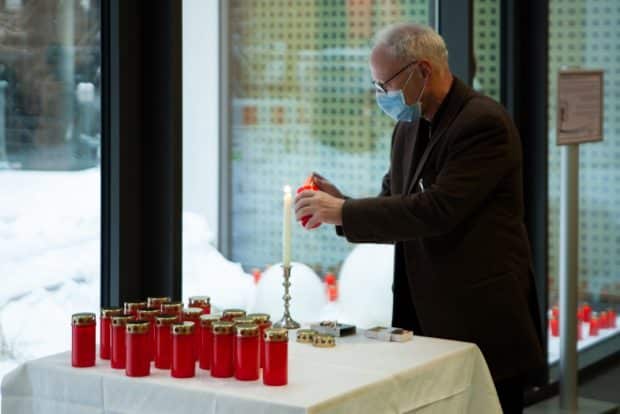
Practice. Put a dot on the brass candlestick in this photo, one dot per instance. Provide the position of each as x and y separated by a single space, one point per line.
287 322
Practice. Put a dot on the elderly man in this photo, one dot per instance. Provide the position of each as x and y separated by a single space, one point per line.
452 203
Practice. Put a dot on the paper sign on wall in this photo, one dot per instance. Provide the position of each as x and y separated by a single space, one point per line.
580 106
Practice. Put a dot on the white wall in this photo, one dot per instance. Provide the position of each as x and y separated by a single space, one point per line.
200 109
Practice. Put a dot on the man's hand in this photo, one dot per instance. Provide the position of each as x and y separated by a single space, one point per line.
322 207
325 185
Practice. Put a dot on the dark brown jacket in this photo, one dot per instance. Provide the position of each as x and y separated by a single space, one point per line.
462 259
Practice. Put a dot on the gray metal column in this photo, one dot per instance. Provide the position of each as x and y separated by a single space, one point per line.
569 265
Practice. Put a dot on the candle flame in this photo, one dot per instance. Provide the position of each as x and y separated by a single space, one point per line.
287 189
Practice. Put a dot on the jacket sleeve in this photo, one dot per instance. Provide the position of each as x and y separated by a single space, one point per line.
476 161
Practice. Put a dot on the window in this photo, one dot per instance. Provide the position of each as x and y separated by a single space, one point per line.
300 100
584 34
49 173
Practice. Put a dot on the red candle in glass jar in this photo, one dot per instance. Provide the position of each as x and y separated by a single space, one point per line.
133 307
586 311
263 322
202 302
554 326
149 314
612 319
137 345
105 330
275 370
117 354
244 320
594 325
163 340
172 308
193 315
155 302
602 320
222 350
83 348
183 362
231 314
555 312
206 340
309 185
247 357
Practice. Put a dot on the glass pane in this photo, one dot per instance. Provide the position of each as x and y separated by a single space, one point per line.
301 101
49 173
486 32
584 34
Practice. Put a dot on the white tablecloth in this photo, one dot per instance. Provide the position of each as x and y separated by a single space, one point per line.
359 376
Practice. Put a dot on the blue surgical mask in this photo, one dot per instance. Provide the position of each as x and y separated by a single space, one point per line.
394 105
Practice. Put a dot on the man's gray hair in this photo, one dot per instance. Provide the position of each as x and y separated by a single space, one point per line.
414 41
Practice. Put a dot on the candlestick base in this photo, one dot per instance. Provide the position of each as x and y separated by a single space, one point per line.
287 322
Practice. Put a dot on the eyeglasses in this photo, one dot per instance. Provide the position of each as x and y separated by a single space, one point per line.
380 86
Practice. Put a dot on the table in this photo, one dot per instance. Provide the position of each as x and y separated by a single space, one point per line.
360 375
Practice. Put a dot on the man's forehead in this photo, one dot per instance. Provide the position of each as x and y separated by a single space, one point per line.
383 63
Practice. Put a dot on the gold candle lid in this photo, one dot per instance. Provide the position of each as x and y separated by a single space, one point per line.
306 336
244 320
134 306
165 319
121 320
193 313
259 317
183 328
137 327
276 335
155 302
109 312
222 327
171 307
207 320
199 301
83 318
148 313
324 341
233 313
246 329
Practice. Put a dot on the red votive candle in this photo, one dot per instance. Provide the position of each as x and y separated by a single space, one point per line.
202 302
247 357
117 356
173 308
105 330
149 314
222 351
137 344
155 302
308 185
554 326
602 318
555 312
275 371
132 307
586 310
206 340
230 314
83 347
263 322
163 340
611 316
193 315
183 362
244 320
594 325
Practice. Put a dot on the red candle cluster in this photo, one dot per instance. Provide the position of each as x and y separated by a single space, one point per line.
605 319
231 345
